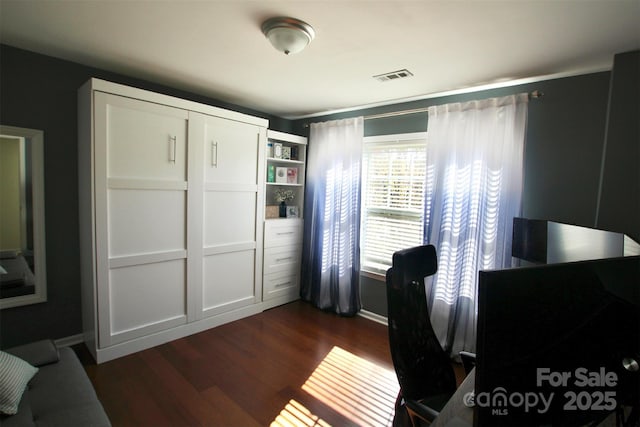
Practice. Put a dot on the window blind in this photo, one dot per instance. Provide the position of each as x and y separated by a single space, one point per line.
394 169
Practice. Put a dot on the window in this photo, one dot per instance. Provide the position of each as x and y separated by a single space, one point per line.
394 168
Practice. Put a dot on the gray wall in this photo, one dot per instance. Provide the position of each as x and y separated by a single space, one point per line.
563 151
619 207
39 92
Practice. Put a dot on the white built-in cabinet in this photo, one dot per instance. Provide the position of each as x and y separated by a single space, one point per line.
283 235
171 197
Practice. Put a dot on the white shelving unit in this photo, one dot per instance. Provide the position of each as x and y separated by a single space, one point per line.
286 173
286 154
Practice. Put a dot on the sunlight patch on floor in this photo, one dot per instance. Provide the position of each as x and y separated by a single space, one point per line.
296 415
358 389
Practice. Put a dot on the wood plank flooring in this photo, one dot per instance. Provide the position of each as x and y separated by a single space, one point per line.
291 365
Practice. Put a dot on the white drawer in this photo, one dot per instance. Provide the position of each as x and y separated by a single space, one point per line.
282 232
281 284
284 258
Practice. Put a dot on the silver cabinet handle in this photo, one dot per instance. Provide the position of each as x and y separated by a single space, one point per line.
283 233
172 149
214 154
283 259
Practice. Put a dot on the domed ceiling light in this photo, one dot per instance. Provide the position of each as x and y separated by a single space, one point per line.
288 35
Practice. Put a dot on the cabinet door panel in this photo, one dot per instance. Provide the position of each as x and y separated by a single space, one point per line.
230 152
142 221
229 281
230 217
144 140
146 298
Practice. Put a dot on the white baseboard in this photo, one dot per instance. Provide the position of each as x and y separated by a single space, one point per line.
373 317
69 341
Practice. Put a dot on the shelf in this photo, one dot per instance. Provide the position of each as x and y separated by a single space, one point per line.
292 162
286 184
286 137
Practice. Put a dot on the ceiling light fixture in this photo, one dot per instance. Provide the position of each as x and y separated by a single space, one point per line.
288 35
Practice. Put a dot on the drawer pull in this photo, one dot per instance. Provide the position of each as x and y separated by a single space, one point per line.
285 233
279 285
283 259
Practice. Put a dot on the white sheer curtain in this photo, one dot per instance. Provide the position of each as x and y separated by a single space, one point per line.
473 192
331 254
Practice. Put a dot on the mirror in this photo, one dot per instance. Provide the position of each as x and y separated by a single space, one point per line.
23 278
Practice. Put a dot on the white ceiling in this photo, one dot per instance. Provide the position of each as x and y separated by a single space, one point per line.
216 47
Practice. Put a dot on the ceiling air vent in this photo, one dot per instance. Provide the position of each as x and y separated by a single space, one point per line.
393 75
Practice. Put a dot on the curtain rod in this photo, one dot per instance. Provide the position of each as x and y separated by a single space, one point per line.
532 95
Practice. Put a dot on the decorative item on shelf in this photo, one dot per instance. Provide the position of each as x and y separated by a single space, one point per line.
292 212
294 153
269 149
271 173
292 175
277 150
286 152
272 211
281 175
283 196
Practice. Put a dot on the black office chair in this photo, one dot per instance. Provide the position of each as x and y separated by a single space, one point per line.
427 379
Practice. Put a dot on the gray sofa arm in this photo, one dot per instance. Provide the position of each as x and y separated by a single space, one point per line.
37 353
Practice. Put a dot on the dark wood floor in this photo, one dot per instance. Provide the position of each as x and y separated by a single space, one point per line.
291 365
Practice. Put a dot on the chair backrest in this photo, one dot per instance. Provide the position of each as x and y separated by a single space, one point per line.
423 368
